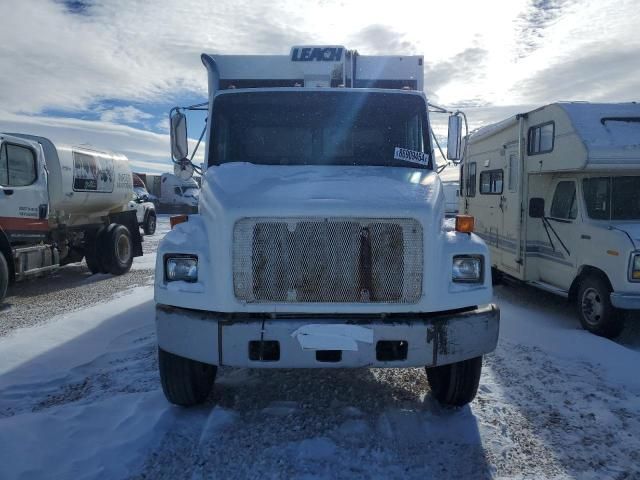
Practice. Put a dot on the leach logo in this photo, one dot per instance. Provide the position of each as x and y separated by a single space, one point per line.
316 54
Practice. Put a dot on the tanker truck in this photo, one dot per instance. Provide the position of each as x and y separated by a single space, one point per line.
320 240
60 204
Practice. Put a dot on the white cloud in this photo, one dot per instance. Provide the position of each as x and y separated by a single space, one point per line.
487 54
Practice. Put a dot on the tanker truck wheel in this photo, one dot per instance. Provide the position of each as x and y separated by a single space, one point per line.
92 249
117 254
4 276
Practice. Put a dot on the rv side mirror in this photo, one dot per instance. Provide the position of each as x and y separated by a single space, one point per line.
178 133
454 139
536 207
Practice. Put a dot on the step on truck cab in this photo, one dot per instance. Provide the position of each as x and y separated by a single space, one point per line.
320 239
60 204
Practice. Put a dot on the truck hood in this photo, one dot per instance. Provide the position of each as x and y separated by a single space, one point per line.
631 229
317 188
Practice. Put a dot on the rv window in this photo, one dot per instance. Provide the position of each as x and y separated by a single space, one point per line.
541 138
564 204
471 180
17 166
616 198
513 172
491 182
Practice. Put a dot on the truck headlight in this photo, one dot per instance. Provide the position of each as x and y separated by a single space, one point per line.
467 269
634 270
183 268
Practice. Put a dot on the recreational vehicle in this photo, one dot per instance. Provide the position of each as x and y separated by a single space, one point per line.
556 195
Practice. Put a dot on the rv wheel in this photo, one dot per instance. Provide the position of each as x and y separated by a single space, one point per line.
4 276
596 313
118 254
456 384
184 381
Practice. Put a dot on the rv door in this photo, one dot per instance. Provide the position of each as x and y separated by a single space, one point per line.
510 206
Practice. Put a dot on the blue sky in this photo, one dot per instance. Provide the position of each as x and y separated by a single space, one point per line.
106 73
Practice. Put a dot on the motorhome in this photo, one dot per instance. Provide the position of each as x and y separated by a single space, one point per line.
320 239
556 194
450 178
60 204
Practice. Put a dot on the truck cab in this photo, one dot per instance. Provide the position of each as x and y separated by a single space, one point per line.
179 193
320 240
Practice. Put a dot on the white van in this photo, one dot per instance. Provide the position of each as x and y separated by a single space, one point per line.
176 192
556 195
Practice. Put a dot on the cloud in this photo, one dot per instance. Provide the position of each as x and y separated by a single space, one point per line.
128 114
380 39
600 72
147 150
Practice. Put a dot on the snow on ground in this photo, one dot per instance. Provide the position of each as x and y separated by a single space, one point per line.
80 398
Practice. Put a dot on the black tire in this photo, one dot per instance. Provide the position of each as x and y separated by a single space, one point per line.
184 381
149 226
92 254
456 384
116 250
595 311
4 276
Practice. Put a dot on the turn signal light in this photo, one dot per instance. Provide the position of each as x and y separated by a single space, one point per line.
176 219
465 223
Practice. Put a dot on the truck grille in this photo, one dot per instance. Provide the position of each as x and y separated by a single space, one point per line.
304 260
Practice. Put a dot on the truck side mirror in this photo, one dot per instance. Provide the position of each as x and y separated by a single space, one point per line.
178 133
536 207
454 138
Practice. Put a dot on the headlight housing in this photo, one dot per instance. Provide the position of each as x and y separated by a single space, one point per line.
181 267
634 268
467 268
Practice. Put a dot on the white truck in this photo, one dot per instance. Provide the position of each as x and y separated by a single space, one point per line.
556 195
320 239
178 193
59 204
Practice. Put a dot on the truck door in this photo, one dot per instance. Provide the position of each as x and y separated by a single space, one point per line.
510 211
560 231
24 200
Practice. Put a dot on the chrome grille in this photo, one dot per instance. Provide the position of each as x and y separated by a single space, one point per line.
362 260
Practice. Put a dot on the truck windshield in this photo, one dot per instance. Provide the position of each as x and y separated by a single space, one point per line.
612 198
318 128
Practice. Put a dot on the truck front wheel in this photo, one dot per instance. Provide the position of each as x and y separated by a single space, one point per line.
184 381
149 225
596 313
456 384
4 276
118 254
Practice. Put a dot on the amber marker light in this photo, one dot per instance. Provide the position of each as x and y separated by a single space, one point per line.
465 223
176 219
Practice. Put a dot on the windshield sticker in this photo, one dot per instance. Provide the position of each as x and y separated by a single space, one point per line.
412 156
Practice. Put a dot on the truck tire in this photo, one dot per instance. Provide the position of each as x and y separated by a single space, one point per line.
184 381
149 226
4 276
92 254
117 253
595 311
456 384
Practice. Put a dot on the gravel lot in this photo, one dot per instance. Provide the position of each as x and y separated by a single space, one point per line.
73 287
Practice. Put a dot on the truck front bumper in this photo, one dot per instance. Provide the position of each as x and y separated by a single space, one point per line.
323 341
625 301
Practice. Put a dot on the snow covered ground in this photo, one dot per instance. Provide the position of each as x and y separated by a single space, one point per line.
80 398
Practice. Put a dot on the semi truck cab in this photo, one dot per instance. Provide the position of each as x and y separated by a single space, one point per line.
320 240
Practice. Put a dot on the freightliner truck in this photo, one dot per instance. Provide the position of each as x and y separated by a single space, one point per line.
320 240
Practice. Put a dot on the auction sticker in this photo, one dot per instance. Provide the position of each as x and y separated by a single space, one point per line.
411 156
